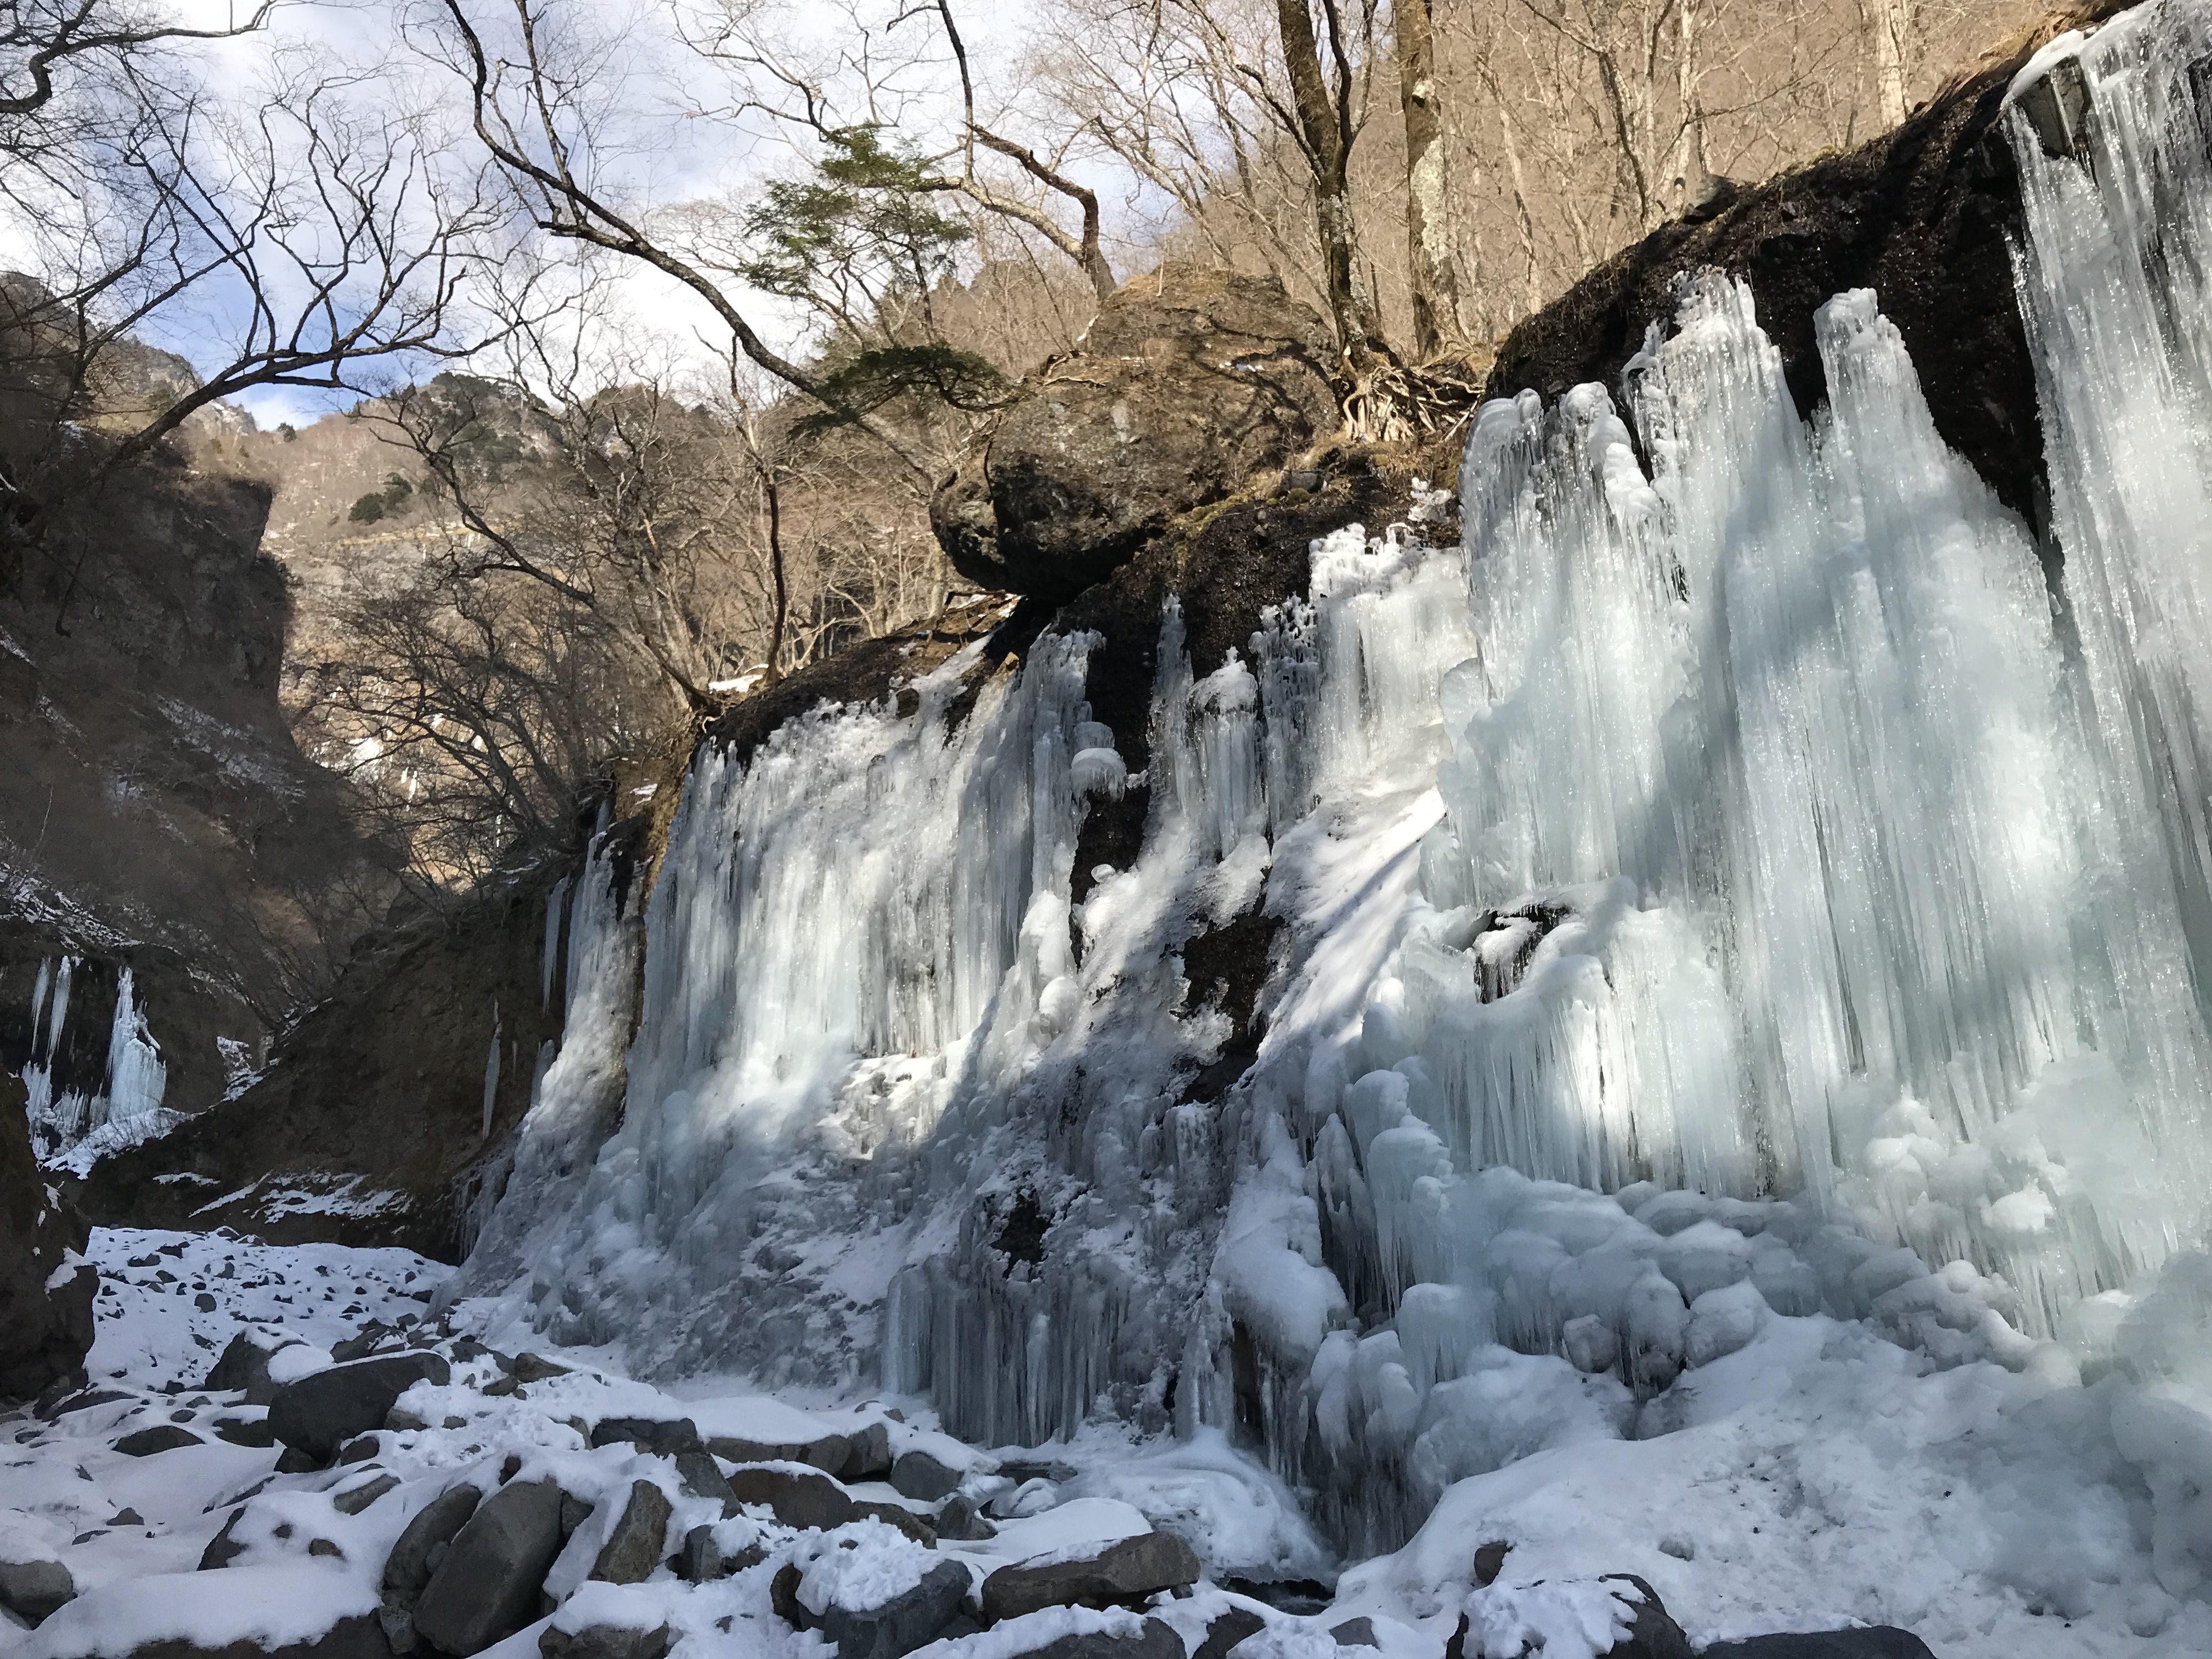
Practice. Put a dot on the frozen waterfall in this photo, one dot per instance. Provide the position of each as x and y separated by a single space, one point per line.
1730 884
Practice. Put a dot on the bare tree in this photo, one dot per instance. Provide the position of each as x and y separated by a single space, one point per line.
298 232
1432 277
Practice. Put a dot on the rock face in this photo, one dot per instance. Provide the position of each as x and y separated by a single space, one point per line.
1122 1572
399 1161
325 1409
1189 382
46 1302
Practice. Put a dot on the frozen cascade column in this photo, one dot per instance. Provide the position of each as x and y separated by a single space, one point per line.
854 926
2112 278
576 1098
1800 689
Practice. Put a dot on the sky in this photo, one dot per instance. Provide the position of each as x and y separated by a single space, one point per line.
659 90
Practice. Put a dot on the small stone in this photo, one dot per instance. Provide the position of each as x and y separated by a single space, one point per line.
323 1547
894 1627
359 1451
403 1421
162 1437
205 1302
1489 1561
1355 1633
354 1499
222 1549
501 1388
1873 1642
959 1519
126 1518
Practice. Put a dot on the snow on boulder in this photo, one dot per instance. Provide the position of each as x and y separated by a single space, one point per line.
1616 1617
1130 1570
320 1412
290 1610
33 1582
1065 1633
872 1590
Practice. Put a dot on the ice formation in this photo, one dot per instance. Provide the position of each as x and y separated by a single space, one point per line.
128 1103
1716 893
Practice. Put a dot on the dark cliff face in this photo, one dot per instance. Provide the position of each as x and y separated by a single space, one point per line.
155 811
46 1300
1923 215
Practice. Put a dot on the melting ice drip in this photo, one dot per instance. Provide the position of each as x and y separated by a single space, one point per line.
135 1079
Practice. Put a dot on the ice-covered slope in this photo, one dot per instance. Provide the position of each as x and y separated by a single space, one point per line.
1725 894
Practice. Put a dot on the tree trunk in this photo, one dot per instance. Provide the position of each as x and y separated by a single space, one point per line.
1325 132
1428 250
1890 23
775 569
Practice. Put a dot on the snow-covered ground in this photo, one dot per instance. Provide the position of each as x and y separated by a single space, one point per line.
1818 1477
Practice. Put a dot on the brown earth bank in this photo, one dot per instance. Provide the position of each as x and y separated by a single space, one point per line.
382 1086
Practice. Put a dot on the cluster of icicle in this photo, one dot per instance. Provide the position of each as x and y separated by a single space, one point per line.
126 1107
1733 889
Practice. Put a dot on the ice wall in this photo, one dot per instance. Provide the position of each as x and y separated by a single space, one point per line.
1723 887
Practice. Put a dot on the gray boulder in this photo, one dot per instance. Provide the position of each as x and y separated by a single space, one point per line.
357 1638
898 1627
1151 1638
1875 1642
1225 1630
796 1498
1121 1574
244 1367
962 1522
486 1588
1189 383
407 1569
33 1590
162 1437
699 1476
658 1439
636 1546
323 1410
868 1454
604 1642
1355 1633
829 1452
921 1477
